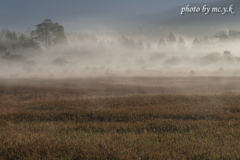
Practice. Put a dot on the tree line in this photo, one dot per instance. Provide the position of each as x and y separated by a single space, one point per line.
48 34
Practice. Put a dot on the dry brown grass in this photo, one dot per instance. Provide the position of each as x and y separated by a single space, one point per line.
120 118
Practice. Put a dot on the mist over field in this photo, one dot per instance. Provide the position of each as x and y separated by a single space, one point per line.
158 52
120 40
90 79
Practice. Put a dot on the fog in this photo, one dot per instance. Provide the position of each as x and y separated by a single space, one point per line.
138 53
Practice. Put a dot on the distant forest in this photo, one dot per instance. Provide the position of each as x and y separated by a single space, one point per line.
48 48
13 42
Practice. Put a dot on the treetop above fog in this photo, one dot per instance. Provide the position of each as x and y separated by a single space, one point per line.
49 33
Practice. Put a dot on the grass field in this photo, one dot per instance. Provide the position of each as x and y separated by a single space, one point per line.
120 118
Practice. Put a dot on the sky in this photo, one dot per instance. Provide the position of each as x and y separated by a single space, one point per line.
23 14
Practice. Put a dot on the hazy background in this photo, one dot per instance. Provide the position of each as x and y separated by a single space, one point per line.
122 38
77 15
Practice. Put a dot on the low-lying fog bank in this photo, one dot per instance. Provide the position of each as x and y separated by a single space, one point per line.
124 55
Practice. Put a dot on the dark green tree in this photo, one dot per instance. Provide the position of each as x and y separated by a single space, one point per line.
3 48
195 42
11 40
49 33
11 36
171 38
222 35
234 33
27 42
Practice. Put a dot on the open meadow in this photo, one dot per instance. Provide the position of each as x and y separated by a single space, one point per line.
120 118
120 80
